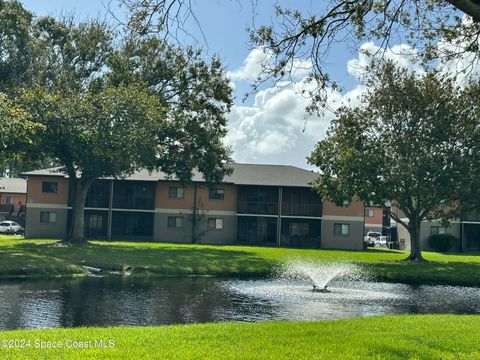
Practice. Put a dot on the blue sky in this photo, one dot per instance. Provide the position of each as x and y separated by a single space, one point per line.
269 127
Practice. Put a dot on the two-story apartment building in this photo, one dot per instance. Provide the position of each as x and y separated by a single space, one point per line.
256 204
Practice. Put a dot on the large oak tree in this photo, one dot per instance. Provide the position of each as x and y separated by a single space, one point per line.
412 141
105 104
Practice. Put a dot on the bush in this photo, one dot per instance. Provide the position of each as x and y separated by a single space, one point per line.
443 242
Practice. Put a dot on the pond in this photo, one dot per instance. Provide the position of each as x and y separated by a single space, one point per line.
109 301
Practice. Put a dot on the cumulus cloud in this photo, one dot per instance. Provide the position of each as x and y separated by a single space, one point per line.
403 55
252 65
274 129
259 57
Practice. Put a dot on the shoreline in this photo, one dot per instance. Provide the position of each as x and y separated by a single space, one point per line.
29 259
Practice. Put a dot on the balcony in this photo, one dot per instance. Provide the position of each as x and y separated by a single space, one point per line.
128 202
6 209
471 217
310 210
256 207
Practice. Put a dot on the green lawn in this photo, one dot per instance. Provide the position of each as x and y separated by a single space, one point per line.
19 257
389 337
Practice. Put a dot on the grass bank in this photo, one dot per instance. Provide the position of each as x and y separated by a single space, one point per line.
392 337
32 258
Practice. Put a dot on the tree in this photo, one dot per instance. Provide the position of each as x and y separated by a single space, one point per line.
15 23
409 142
302 38
17 129
15 60
105 105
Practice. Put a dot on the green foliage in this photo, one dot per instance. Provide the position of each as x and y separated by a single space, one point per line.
15 58
443 242
108 104
422 24
409 142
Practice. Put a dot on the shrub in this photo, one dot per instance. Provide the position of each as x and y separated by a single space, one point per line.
443 242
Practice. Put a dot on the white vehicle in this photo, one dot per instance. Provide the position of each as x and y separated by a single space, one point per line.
381 241
371 237
10 227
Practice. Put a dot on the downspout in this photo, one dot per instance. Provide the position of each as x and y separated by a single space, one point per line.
110 206
194 215
279 218
26 210
462 231
363 231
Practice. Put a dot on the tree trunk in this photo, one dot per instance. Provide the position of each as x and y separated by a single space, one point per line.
414 231
71 202
76 235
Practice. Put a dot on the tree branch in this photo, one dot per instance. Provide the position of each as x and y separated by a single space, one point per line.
469 7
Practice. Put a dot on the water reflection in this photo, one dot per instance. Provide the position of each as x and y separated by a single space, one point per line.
130 301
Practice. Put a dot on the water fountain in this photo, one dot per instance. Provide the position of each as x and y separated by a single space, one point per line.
320 274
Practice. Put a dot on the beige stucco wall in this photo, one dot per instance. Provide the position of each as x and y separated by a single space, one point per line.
354 241
36 196
36 229
163 233
454 229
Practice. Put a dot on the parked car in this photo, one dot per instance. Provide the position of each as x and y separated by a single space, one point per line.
371 237
381 241
10 227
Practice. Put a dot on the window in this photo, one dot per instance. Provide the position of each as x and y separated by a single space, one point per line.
299 229
95 222
215 224
49 187
48 217
216 194
369 213
8 200
175 222
341 229
176 192
437 230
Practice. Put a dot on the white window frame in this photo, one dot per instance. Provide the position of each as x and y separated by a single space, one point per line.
219 223
178 222
343 226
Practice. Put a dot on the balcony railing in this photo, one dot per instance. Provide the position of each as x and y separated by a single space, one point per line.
313 210
471 217
127 202
253 207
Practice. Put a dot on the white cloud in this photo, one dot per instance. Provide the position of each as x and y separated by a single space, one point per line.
251 68
466 64
274 129
252 65
403 55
